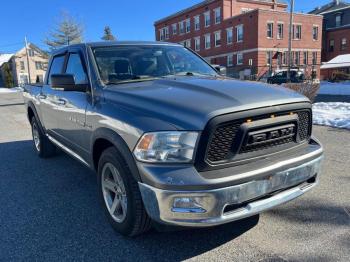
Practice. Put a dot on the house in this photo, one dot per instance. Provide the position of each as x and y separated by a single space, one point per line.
249 37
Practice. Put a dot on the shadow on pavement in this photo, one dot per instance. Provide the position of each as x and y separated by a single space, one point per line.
50 211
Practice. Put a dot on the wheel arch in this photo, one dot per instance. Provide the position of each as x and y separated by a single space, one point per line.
31 112
104 138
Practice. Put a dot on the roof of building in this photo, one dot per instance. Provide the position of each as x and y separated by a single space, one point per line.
205 2
333 6
338 62
4 58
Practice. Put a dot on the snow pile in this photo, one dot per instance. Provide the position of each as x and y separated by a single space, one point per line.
342 88
333 114
10 90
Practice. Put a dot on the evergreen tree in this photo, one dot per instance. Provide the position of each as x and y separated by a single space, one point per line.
8 79
68 31
108 36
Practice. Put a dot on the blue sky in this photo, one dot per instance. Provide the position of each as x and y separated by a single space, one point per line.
129 20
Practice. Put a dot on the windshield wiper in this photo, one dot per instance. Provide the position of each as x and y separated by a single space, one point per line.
134 79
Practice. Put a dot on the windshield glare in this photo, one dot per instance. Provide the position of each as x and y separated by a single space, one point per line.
130 63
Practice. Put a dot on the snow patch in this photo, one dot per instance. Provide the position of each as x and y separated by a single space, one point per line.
10 90
342 88
333 114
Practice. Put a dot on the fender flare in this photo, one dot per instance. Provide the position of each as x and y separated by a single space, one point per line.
119 143
33 108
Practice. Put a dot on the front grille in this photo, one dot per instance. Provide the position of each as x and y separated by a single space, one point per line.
223 140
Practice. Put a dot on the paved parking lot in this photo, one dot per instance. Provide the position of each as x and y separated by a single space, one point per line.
50 212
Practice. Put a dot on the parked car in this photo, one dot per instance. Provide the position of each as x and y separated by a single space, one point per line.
282 77
170 139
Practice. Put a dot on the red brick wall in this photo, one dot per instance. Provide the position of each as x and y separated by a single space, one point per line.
337 36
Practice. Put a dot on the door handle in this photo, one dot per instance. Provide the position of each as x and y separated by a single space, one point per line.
61 102
41 96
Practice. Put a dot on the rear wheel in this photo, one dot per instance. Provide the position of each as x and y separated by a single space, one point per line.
120 195
42 145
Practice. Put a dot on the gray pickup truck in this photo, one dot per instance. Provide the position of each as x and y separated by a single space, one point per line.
171 140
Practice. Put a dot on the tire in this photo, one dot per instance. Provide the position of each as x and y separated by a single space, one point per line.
128 217
42 145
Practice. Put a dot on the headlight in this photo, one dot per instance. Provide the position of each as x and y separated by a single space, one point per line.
168 147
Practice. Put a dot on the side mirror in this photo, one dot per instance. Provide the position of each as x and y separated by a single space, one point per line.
66 82
220 69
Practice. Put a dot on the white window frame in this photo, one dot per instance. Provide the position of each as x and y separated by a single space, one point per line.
317 32
269 58
188 25
187 43
229 30
280 35
197 23
164 33
269 30
174 29
181 27
217 37
305 57
295 32
338 22
197 43
229 60
207 14
239 27
207 36
239 61
217 15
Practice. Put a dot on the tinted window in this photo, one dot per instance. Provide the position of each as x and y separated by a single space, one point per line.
75 67
56 66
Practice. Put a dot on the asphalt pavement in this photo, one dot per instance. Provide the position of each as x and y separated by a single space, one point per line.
50 212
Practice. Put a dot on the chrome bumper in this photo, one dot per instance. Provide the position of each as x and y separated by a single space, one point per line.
214 207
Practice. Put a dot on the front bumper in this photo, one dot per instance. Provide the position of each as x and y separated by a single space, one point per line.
218 206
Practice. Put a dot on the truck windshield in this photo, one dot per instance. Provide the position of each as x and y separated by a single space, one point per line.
119 64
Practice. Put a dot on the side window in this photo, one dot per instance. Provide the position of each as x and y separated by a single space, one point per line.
56 67
75 67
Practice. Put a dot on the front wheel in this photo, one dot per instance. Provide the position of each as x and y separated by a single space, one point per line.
120 195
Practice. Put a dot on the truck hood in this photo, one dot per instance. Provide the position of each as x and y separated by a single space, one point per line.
188 103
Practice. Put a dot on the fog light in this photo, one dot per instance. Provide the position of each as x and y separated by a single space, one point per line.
188 205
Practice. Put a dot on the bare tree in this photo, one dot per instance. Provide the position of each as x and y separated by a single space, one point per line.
66 32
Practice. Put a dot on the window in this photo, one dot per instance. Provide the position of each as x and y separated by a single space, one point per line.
306 58
22 65
197 44
207 41
239 59
343 44
196 23
182 27
188 43
315 33
229 35
239 31
284 58
269 30
164 33
31 52
279 58
331 45
338 19
75 67
38 65
314 58
280 31
56 66
297 58
229 60
207 19
174 29
269 57
217 13
188 25
217 36
296 32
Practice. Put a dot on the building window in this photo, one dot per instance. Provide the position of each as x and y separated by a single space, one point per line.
188 25
229 60
331 45
284 58
269 57
217 36
196 23
197 44
164 33
182 27
314 58
174 29
207 41
22 65
38 65
30 52
269 30
343 44
296 32
291 58
187 43
297 58
239 33
315 33
338 21
217 13
239 59
279 59
306 58
207 19
279 31
229 35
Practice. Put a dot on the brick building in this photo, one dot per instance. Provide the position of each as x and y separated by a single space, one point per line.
250 37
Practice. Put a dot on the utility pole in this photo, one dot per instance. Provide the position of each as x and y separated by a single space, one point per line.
26 43
290 39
